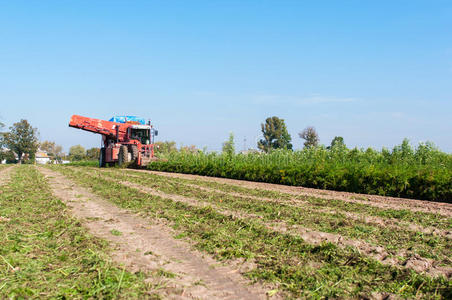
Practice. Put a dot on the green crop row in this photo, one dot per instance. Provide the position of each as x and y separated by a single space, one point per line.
304 270
426 245
425 219
421 173
47 254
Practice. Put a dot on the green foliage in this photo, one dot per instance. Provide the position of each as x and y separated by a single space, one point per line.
309 134
275 135
295 267
47 254
77 153
307 215
421 173
337 142
189 149
164 148
8 156
22 139
1 134
54 151
115 232
93 154
2 152
229 145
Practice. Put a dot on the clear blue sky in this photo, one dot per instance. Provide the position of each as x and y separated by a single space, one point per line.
373 72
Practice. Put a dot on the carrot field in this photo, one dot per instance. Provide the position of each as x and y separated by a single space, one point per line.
422 172
272 241
295 245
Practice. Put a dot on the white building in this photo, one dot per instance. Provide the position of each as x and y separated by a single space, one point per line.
42 158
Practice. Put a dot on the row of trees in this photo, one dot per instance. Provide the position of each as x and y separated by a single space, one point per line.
167 147
22 138
20 143
276 136
78 153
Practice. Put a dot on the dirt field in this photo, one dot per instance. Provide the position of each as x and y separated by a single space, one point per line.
193 237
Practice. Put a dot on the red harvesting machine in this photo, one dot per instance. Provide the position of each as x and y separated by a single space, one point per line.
122 142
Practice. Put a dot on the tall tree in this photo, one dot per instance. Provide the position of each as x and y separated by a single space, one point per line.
229 145
22 139
54 151
93 153
275 135
337 142
77 152
309 134
9 157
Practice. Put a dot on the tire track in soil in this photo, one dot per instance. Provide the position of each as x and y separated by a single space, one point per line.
441 208
414 262
147 246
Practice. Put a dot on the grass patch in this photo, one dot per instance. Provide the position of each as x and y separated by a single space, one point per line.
115 232
167 274
45 253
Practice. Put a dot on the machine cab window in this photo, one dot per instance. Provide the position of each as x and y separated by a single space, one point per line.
141 134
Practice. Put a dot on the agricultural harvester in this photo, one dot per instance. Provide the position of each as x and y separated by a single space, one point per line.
125 140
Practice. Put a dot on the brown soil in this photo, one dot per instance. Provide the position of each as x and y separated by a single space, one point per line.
146 246
387 222
373 200
414 262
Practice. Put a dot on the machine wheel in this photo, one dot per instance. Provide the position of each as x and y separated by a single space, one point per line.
133 149
102 158
123 156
